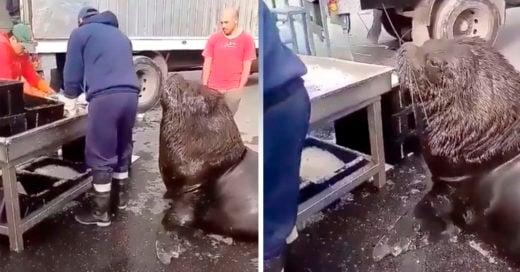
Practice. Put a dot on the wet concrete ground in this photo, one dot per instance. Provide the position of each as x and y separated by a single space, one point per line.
131 242
342 238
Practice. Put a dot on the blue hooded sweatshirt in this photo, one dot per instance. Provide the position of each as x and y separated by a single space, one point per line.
100 56
280 64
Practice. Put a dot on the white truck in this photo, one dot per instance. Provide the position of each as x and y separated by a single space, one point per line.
166 34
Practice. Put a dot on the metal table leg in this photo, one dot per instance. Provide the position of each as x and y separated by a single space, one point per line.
290 20
324 16
12 207
309 38
377 150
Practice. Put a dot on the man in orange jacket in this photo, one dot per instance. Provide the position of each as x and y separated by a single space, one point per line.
15 63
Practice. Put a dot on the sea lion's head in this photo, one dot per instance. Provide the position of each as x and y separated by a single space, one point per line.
441 68
465 97
188 97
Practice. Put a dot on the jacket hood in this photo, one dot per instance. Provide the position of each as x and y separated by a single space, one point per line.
106 17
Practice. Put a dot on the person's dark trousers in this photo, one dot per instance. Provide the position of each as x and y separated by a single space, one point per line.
111 118
286 122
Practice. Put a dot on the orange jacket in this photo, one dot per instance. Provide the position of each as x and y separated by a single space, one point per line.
14 67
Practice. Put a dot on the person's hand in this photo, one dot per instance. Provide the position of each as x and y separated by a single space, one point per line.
70 107
45 88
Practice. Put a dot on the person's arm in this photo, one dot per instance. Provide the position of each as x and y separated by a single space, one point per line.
249 57
28 72
208 59
206 68
74 67
5 71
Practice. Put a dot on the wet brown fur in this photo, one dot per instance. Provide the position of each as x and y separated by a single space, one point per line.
466 97
199 145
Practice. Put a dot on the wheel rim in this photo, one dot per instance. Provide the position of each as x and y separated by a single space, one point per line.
467 19
473 22
149 82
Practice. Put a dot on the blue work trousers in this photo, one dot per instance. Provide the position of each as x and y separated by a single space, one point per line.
286 121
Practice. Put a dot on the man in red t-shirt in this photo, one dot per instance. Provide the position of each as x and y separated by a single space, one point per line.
227 59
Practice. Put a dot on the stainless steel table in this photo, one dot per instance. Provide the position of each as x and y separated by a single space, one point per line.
370 83
23 147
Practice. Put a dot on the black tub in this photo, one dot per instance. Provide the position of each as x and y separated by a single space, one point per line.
33 166
13 124
11 97
353 162
40 111
40 190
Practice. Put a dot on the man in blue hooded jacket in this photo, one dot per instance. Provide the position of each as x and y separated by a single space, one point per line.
286 121
99 62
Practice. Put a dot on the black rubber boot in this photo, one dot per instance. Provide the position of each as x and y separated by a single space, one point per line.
98 211
120 193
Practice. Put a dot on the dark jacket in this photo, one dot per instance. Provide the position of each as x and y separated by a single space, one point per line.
280 64
99 55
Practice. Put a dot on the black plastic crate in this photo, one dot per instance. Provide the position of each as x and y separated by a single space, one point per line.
41 111
40 189
11 125
11 97
353 162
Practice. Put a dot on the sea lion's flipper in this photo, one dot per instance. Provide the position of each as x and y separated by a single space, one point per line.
182 212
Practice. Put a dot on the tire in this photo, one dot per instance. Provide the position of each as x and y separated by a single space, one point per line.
402 24
469 18
150 78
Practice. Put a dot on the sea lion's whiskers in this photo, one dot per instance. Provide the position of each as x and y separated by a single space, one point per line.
416 87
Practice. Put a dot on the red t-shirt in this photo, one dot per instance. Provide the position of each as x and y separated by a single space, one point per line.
228 59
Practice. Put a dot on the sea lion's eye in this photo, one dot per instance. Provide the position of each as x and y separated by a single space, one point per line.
433 63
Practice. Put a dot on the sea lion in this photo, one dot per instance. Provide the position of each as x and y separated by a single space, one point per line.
497 205
465 96
209 174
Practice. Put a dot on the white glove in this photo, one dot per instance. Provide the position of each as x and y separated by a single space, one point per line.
70 107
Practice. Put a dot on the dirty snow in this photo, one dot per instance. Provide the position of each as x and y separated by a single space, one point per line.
220 239
312 219
318 164
476 246
320 80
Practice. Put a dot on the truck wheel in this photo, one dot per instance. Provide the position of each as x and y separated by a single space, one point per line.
402 24
469 18
150 78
